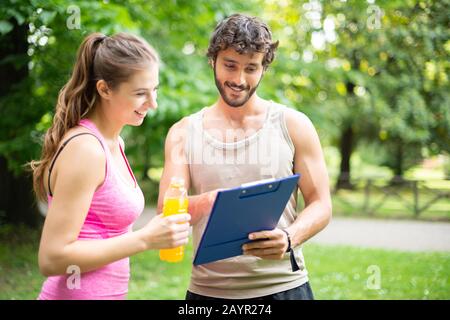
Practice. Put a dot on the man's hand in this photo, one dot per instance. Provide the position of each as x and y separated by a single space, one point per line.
201 205
268 244
206 201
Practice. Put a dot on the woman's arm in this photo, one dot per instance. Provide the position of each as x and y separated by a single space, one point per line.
79 171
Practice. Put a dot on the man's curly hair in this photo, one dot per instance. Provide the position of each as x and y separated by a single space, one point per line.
244 34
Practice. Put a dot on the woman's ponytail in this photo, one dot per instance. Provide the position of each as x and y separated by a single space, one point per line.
75 98
112 59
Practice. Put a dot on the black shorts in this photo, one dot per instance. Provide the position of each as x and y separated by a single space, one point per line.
302 292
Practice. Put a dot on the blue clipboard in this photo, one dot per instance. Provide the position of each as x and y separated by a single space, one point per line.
240 211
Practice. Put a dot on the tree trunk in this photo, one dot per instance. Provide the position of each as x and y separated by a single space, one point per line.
398 169
345 149
17 204
13 45
398 165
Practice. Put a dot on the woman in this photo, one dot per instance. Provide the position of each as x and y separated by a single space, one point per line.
84 174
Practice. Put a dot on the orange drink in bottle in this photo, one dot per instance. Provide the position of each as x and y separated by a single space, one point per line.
175 202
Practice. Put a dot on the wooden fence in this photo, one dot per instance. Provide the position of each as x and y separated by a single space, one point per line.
410 194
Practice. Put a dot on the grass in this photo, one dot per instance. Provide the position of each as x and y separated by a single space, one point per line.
19 273
154 279
336 272
342 272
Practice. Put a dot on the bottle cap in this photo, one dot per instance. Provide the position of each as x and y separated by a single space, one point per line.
177 182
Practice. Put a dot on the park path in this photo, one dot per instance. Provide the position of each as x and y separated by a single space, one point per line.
404 235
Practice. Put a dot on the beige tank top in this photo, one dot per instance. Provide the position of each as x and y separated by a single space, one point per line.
266 153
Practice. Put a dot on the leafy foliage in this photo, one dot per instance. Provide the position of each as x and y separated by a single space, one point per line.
380 68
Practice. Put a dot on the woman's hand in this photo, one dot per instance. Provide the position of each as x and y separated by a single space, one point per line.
166 232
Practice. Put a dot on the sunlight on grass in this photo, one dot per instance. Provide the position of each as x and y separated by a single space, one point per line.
155 279
336 272
341 272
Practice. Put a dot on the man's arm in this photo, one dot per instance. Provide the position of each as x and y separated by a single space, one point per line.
314 185
176 164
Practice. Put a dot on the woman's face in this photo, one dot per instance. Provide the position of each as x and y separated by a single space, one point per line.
131 100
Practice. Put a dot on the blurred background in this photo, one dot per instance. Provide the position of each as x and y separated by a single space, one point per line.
373 76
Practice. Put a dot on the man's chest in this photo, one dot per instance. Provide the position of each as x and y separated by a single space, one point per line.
229 132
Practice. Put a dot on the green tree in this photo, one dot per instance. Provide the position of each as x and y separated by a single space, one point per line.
385 83
180 32
414 84
38 46
378 73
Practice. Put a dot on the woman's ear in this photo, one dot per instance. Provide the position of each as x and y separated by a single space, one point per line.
103 90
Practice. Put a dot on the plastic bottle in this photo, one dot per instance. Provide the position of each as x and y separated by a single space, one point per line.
175 202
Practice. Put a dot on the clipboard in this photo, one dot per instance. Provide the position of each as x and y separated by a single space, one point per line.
239 211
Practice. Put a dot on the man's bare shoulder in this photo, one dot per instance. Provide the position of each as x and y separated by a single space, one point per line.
299 126
295 118
178 130
181 124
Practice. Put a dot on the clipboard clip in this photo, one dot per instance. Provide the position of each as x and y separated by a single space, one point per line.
255 183
258 187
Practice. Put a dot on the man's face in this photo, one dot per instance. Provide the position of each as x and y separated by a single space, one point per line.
237 75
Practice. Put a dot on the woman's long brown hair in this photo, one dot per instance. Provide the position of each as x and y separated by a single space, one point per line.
112 59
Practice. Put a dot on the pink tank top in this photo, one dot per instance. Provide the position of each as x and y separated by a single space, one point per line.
114 208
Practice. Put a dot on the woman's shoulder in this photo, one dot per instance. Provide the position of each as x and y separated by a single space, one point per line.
81 137
82 149
81 157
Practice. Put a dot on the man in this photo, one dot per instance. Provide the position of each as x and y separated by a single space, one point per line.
243 138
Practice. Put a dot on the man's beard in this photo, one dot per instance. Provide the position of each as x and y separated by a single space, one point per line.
236 103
